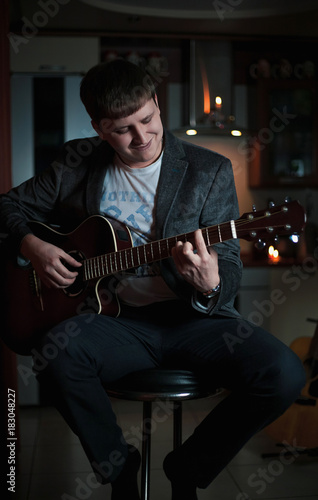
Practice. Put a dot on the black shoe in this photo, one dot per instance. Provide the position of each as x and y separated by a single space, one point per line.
125 485
179 474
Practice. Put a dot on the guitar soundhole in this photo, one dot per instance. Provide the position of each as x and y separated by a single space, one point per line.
79 284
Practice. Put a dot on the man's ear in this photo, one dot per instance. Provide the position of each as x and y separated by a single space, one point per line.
97 130
155 98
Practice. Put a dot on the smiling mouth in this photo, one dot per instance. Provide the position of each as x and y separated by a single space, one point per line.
143 147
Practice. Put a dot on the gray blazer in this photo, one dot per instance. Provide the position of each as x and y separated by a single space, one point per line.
196 189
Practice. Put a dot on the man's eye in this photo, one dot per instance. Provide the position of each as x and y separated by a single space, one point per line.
122 131
147 120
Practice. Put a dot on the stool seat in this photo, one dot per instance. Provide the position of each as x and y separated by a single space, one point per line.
160 383
154 384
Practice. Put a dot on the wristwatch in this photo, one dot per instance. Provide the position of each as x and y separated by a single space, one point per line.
212 292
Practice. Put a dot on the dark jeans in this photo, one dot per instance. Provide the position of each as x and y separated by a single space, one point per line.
84 353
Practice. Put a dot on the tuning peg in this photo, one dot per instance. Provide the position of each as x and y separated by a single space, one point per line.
276 239
260 244
254 208
271 204
287 199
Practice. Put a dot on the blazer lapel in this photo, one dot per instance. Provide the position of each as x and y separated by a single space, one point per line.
172 172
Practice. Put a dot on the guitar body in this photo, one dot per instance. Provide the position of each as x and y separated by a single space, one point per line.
298 426
105 249
31 309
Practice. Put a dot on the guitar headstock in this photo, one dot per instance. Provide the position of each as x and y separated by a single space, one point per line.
286 219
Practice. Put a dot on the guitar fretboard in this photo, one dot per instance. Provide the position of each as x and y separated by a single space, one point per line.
284 219
122 260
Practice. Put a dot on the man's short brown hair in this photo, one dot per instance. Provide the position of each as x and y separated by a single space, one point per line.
115 90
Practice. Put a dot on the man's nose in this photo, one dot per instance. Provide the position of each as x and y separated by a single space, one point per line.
140 135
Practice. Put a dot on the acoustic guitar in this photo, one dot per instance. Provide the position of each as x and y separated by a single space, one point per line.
298 426
30 308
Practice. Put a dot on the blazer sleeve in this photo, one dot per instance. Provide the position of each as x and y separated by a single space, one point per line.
32 200
222 205
209 188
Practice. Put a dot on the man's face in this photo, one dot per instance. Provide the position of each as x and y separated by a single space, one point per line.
137 138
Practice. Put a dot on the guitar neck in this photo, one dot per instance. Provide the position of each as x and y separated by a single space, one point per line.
284 219
114 262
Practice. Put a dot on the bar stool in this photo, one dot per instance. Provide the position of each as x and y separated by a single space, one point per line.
159 384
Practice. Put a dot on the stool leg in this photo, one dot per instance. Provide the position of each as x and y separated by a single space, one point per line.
177 424
146 450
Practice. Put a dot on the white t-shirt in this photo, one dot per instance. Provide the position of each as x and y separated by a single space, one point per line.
129 195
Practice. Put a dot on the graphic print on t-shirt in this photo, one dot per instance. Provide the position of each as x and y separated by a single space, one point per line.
133 209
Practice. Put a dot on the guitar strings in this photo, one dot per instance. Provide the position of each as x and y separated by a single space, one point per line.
108 264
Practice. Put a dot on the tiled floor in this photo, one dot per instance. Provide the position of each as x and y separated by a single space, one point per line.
53 465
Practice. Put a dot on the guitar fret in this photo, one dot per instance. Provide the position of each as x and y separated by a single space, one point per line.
89 274
120 262
137 252
111 262
116 261
96 268
115 254
106 264
219 231
233 229
116 257
87 270
132 257
145 254
90 269
126 260
207 237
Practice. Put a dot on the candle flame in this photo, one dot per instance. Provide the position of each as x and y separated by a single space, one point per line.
273 253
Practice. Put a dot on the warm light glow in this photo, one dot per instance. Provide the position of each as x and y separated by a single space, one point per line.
218 102
206 90
273 253
236 133
206 95
191 132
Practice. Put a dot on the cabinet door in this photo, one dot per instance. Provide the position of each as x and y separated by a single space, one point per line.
283 151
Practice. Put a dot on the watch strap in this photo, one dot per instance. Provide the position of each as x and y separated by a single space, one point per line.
212 292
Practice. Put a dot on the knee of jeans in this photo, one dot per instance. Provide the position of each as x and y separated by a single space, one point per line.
55 345
290 378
